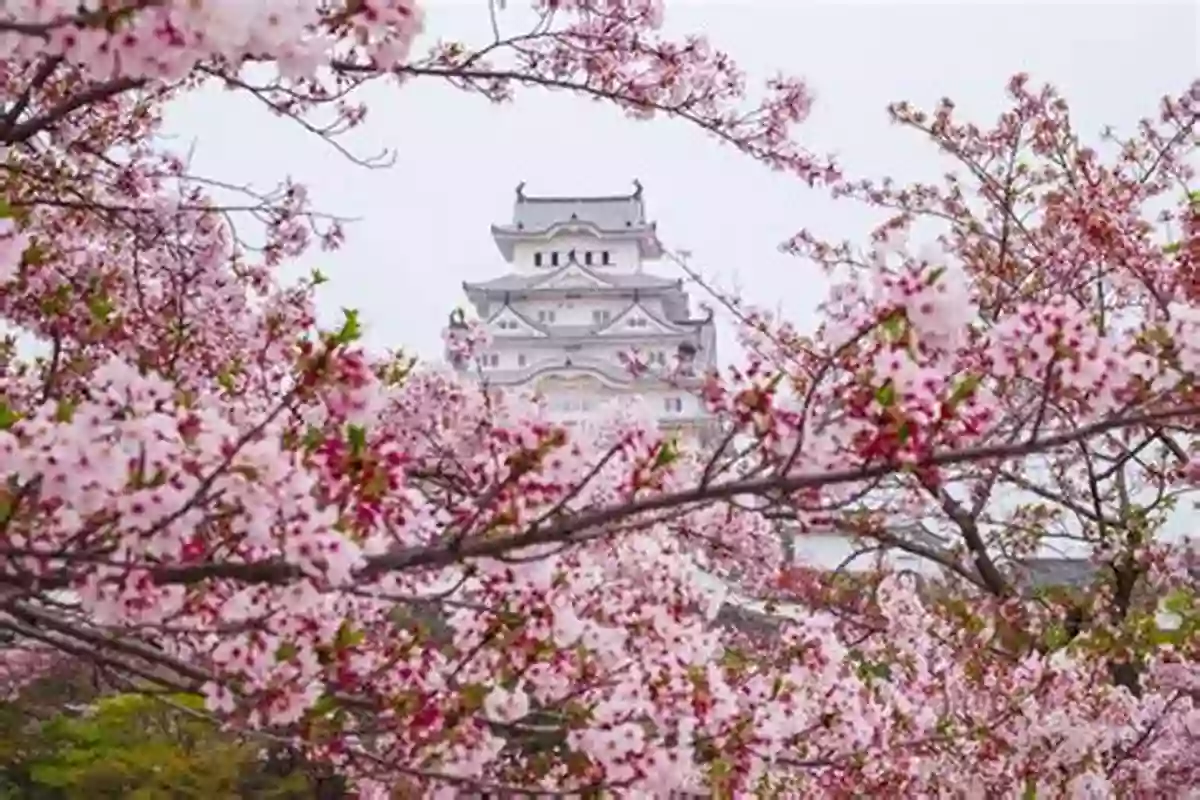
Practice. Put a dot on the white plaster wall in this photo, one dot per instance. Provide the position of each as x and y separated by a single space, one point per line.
572 311
584 395
508 356
578 310
831 551
623 255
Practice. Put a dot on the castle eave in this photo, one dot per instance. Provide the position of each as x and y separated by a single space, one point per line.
524 283
507 237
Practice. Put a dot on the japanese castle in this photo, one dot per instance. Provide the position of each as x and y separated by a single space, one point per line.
578 318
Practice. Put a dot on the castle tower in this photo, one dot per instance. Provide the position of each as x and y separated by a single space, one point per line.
577 299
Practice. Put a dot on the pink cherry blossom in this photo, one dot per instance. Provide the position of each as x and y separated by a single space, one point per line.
436 588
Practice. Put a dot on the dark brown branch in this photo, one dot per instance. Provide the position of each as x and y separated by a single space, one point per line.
14 112
97 93
596 524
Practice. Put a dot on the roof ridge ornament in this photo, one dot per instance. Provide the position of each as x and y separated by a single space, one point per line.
637 189
521 192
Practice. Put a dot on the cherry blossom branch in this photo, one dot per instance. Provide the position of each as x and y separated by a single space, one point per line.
97 93
595 524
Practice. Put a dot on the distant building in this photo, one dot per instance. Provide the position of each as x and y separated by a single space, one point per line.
577 300
1052 572
834 550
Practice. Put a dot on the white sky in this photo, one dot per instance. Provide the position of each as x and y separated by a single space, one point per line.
424 222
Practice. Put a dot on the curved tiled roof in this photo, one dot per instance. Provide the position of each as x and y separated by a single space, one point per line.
607 213
612 217
604 369
670 325
686 327
537 326
523 282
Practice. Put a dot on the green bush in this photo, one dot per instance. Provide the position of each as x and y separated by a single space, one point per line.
138 747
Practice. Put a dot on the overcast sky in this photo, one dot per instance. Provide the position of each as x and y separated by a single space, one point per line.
423 225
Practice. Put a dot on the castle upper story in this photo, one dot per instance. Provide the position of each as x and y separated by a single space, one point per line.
606 232
576 312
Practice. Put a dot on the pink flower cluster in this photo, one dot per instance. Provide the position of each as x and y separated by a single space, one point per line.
434 587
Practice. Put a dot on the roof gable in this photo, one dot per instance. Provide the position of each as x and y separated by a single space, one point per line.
624 281
572 276
637 320
507 321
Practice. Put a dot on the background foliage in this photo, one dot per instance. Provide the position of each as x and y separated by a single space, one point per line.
137 747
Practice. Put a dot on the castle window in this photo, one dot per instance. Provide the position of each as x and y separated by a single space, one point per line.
587 258
674 405
545 315
494 360
604 258
554 258
537 259
520 359
601 316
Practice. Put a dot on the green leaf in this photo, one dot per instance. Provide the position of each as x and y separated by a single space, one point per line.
964 390
8 417
34 255
5 208
348 636
101 307
227 377
65 411
351 328
734 659
192 701
473 695
868 670
1179 602
357 436
313 436
1056 637
318 277
894 326
668 453
886 395
52 775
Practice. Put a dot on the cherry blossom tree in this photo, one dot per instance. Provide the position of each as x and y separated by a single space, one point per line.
435 588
